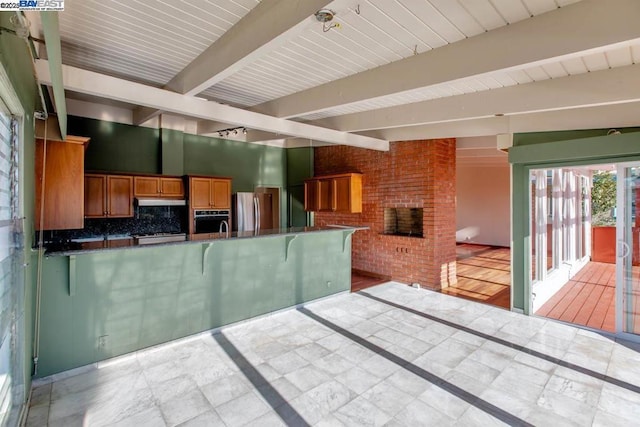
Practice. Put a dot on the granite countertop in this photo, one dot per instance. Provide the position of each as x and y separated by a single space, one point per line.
105 244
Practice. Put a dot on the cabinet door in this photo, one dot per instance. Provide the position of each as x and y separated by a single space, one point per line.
94 196
64 185
325 195
200 193
146 186
119 196
311 195
172 187
221 193
342 194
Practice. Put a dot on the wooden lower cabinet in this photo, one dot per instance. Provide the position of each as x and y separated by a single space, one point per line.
334 193
108 196
119 196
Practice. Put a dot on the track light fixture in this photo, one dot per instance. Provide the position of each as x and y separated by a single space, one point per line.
232 131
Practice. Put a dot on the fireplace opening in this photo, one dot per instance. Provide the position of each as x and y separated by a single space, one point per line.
403 222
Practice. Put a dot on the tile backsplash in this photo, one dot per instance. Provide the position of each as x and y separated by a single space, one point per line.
146 220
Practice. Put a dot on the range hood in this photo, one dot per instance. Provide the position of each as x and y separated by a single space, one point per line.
142 201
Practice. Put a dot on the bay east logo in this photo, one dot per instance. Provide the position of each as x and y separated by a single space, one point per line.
42 5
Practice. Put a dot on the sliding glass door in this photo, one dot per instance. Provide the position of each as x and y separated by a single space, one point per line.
628 250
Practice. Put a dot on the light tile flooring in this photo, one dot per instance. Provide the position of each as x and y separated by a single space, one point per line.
389 355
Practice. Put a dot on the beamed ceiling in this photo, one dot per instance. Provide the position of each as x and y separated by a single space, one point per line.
393 70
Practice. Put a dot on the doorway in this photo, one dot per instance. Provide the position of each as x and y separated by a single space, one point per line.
584 246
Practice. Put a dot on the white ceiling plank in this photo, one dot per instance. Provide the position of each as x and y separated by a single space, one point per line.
408 19
511 10
619 57
555 70
520 76
574 66
595 24
599 117
537 73
635 53
459 129
458 16
103 86
484 12
596 61
434 20
617 85
268 25
394 27
536 7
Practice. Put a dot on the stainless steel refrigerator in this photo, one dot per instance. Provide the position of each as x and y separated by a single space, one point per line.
254 211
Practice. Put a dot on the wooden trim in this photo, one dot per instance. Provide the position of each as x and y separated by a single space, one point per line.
336 175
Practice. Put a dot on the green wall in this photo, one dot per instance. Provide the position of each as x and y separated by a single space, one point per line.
15 58
542 155
129 299
299 168
117 147
249 165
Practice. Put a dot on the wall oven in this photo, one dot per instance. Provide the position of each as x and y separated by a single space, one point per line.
208 221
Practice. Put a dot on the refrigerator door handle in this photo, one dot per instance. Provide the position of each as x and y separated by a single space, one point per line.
240 211
256 204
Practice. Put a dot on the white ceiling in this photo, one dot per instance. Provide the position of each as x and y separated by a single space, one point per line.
152 42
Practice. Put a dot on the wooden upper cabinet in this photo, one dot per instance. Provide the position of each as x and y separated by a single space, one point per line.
146 186
108 196
119 196
172 187
209 193
200 191
325 195
334 193
311 193
62 177
221 193
155 186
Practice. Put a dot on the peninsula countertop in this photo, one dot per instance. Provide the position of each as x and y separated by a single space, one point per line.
107 243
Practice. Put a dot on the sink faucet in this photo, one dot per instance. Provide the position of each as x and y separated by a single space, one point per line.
224 224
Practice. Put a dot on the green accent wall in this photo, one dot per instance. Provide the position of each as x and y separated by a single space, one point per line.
172 152
250 165
129 299
299 168
16 60
116 147
543 155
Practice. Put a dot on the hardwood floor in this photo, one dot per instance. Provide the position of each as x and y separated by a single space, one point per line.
484 274
360 281
588 299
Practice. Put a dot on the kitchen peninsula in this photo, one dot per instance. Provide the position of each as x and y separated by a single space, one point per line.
101 303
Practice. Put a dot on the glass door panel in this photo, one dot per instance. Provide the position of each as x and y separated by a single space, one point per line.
628 250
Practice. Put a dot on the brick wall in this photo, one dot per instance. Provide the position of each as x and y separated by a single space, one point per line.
420 174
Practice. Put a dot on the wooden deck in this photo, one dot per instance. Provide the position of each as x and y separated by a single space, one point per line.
484 274
588 299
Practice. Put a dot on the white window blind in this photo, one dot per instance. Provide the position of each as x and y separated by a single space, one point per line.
11 280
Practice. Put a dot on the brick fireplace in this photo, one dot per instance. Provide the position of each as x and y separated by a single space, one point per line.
413 174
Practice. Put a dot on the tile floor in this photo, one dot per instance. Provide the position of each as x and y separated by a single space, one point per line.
390 355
